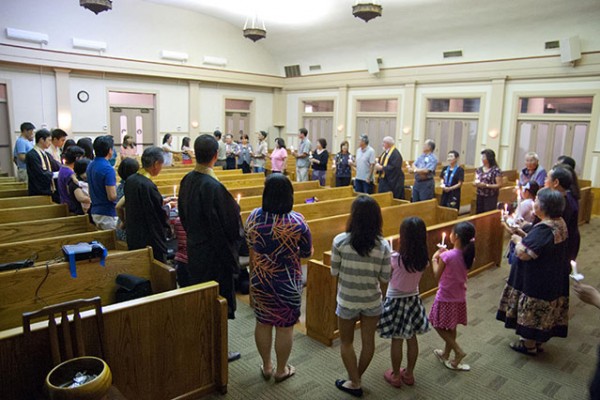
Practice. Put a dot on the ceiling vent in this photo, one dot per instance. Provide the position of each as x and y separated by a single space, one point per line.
292 71
555 44
314 68
454 53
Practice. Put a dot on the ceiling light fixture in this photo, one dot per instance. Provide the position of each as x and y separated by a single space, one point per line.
253 32
366 10
96 6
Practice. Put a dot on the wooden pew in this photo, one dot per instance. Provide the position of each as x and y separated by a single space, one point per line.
250 203
333 207
12 185
26 201
13 193
321 287
21 214
225 179
29 230
49 248
586 204
18 288
325 229
187 327
258 190
6 179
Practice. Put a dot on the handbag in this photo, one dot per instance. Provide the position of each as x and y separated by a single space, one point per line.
132 287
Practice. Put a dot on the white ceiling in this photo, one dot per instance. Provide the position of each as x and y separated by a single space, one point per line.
325 32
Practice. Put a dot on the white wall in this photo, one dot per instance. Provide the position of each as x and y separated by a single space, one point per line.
33 97
293 121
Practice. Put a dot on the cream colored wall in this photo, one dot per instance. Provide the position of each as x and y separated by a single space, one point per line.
294 117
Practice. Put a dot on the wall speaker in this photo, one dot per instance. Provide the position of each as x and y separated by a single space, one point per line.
373 66
570 49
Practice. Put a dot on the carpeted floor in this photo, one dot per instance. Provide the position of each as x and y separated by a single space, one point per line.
562 372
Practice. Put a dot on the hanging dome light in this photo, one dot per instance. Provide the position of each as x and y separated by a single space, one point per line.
367 11
254 32
96 6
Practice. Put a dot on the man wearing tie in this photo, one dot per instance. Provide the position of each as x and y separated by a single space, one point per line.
39 166
389 169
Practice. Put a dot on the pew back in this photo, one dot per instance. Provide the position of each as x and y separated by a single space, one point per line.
8 215
24 231
145 354
27 201
19 291
49 248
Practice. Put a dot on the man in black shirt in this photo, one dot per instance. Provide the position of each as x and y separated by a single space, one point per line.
145 217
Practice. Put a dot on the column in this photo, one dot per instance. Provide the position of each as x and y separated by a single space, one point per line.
407 126
194 109
63 99
492 138
340 132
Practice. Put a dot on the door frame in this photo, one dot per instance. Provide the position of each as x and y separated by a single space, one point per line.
156 93
251 120
12 129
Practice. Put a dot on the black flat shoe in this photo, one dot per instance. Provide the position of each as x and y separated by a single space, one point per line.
233 355
520 347
354 392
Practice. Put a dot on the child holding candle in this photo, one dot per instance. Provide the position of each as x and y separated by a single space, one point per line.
450 305
403 314
525 206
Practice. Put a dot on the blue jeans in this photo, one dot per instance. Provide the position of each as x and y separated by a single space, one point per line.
361 186
259 169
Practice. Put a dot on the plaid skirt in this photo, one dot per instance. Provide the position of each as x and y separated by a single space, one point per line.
402 318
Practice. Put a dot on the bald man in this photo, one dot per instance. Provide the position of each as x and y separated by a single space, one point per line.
389 169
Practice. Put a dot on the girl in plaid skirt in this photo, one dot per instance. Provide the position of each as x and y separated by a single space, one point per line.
403 314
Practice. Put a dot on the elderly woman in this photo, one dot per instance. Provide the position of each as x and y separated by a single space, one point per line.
279 238
535 300
533 171
488 182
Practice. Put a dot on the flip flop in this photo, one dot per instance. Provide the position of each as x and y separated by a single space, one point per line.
440 355
266 375
408 381
459 367
354 392
291 371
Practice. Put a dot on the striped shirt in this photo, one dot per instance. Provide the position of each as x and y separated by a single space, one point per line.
359 277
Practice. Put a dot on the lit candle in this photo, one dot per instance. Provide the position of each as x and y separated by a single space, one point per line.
442 185
239 197
174 190
574 274
476 178
518 195
391 243
292 149
407 164
443 239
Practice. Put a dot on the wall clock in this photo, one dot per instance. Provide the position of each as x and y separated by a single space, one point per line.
83 96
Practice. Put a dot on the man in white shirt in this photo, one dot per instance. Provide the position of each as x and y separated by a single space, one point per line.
302 156
365 164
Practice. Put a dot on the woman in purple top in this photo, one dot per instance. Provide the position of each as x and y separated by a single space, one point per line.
66 173
279 238
450 305
488 180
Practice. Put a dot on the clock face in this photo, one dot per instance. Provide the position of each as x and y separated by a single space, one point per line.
83 96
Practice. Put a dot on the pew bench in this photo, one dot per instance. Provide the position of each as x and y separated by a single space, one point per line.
18 288
13 193
45 228
325 229
25 201
22 214
48 248
165 346
252 202
321 287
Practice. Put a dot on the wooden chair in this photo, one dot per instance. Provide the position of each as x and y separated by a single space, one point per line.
71 330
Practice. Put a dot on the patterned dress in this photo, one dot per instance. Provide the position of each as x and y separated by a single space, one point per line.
278 242
535 300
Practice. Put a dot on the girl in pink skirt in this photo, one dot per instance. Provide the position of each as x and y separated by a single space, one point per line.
450 305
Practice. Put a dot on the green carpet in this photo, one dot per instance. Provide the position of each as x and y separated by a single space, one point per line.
562 372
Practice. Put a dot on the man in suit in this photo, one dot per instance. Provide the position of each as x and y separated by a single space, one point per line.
389 169
39 166
211 219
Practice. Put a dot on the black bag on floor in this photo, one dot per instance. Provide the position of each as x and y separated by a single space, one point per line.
132 287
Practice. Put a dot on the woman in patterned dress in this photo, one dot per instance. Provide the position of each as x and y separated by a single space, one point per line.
488 182
535 300
279 238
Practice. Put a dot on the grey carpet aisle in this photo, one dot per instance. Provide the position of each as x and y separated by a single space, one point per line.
562 372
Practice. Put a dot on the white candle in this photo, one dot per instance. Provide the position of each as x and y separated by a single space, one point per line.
574 267
476 178
391 244
506 208
239 197
574 274
174 190
442 185
443 238
407 164
292 149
